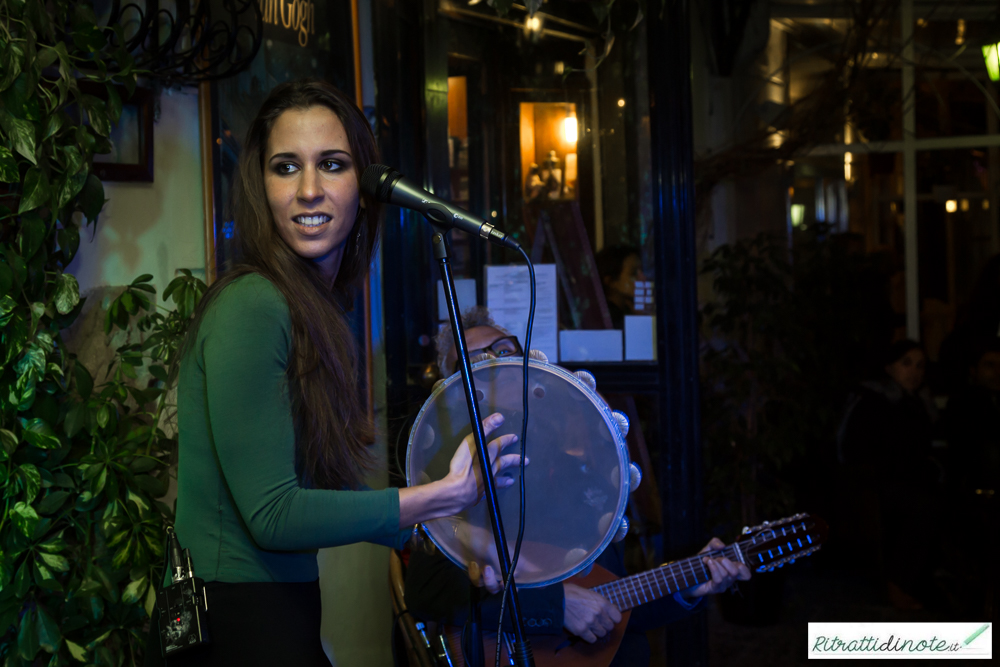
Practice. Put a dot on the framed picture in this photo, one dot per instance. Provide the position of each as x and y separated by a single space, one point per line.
131 156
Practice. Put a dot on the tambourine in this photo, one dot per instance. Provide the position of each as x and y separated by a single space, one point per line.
576 485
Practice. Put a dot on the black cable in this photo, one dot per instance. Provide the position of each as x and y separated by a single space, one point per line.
524 437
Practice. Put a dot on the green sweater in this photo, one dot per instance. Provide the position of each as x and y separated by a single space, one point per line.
240 507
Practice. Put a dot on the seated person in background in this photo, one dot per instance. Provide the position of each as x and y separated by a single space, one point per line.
619 268
972 427
437 590
884 443
972 421
482 334
977 321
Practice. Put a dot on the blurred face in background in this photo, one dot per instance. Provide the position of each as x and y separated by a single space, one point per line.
986 372
908 370
621 290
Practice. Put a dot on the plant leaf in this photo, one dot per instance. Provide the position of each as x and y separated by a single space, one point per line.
135 590
114 103
84 381
103 415
76 651
92 197
22 132
8 441
67 293
8 167
38 433
27 637
25 518
52 502
55 561
36 191
96 114
32 480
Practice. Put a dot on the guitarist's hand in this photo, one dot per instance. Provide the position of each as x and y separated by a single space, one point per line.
587 614
724 573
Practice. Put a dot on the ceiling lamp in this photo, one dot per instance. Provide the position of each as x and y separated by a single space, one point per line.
992 58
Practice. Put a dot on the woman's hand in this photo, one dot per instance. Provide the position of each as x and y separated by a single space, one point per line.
463 486
464 474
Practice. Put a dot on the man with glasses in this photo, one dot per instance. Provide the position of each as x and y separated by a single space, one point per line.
436 590
482 335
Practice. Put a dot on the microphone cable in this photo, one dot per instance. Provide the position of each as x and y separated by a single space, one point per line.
524 437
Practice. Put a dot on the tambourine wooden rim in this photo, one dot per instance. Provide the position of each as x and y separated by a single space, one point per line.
510 521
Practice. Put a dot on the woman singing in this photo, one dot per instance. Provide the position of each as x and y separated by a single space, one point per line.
275 441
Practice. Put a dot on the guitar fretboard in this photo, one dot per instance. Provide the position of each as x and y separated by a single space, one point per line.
654 584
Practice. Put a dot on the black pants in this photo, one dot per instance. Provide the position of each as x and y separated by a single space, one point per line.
251 624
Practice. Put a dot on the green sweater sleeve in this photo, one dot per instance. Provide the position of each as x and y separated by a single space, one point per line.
245 351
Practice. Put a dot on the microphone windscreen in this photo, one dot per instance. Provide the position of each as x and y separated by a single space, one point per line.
377 181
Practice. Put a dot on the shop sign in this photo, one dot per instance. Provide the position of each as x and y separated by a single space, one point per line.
286 19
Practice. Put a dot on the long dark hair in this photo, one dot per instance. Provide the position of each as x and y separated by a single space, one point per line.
333 448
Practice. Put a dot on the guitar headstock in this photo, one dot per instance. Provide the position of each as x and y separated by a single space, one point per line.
772 544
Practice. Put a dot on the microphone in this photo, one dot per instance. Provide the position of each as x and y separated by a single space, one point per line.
390 187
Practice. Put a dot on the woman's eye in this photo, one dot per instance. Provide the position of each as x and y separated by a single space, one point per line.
285 168
329 165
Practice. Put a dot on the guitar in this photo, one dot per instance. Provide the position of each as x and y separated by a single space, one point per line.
762 548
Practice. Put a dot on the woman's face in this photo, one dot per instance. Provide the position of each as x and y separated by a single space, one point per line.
908 371
622 289
312 185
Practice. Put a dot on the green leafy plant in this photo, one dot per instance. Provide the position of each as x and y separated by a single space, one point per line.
786 335
84 453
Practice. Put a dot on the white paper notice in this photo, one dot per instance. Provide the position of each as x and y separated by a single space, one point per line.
640 338
508 296
465 293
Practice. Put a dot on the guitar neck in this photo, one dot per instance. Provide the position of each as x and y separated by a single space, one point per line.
630 592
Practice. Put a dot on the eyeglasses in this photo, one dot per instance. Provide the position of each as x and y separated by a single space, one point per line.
508 346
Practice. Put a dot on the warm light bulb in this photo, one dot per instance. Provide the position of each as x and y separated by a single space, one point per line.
986 204
534 23
570 129
951 206
621 102
964 205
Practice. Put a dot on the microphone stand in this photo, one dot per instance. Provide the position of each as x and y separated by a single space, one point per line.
522 648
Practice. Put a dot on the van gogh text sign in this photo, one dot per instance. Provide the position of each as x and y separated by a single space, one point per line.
299 16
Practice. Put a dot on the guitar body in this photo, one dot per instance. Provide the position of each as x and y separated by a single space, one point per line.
762 548
560 650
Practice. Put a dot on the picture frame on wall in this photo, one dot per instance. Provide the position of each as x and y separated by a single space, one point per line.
131 156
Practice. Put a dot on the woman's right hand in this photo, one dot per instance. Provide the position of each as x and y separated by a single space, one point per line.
464 474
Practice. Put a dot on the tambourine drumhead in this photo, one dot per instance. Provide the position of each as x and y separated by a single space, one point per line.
576 484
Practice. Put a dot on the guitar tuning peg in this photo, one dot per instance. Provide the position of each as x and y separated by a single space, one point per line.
623 527
587 378
622 420
634 477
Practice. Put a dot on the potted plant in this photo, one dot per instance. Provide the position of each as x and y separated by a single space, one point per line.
84 452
